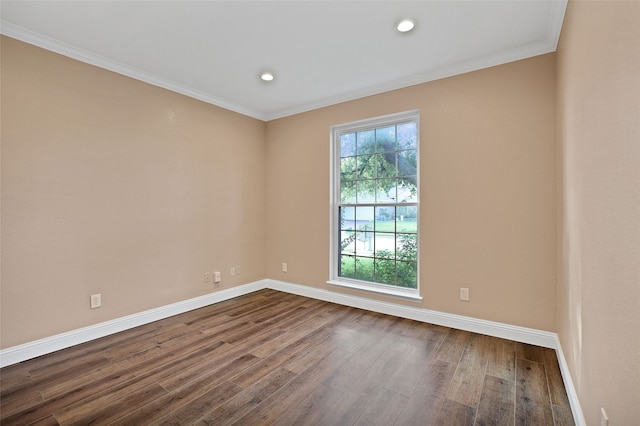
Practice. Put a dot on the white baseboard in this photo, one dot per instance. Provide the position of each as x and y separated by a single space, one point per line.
576 409
506 331
61 341
47 345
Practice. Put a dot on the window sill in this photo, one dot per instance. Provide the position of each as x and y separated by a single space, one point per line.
408 294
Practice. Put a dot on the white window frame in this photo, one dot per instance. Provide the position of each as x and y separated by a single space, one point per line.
334 251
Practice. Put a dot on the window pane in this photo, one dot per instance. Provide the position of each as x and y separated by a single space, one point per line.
366 167
364 218
348 191
386 139
406 274
365 243
407 136
366 191
385 216
347 218
386 191
386 165
364 268
407 163
385 245
407 247
347 266
347 242
348 168
406 219
384 271
407 191
348 145
365 142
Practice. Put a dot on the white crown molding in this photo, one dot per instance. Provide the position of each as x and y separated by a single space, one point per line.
452 70
556 17
10 30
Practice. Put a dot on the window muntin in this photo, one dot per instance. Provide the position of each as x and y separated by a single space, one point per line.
375 204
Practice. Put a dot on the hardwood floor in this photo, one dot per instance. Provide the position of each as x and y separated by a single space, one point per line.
277 358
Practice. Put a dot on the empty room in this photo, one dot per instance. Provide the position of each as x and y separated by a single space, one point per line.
320 212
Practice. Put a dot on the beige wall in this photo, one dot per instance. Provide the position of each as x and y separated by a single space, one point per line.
113 186
599 233
487 191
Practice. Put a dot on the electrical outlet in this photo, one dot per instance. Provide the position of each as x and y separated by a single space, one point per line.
237 270
284 267
207 277
604 420
96 300
217 277
232 271
464 294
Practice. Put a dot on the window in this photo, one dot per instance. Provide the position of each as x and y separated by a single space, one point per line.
374 205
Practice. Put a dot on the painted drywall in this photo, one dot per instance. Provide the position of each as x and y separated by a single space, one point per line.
114 186
598 128
487 153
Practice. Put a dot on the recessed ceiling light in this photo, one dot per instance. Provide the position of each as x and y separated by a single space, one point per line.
267 76
405 25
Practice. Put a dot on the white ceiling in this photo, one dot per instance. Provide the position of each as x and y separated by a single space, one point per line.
322 52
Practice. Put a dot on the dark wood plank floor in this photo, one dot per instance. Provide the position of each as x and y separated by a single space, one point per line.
275 358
